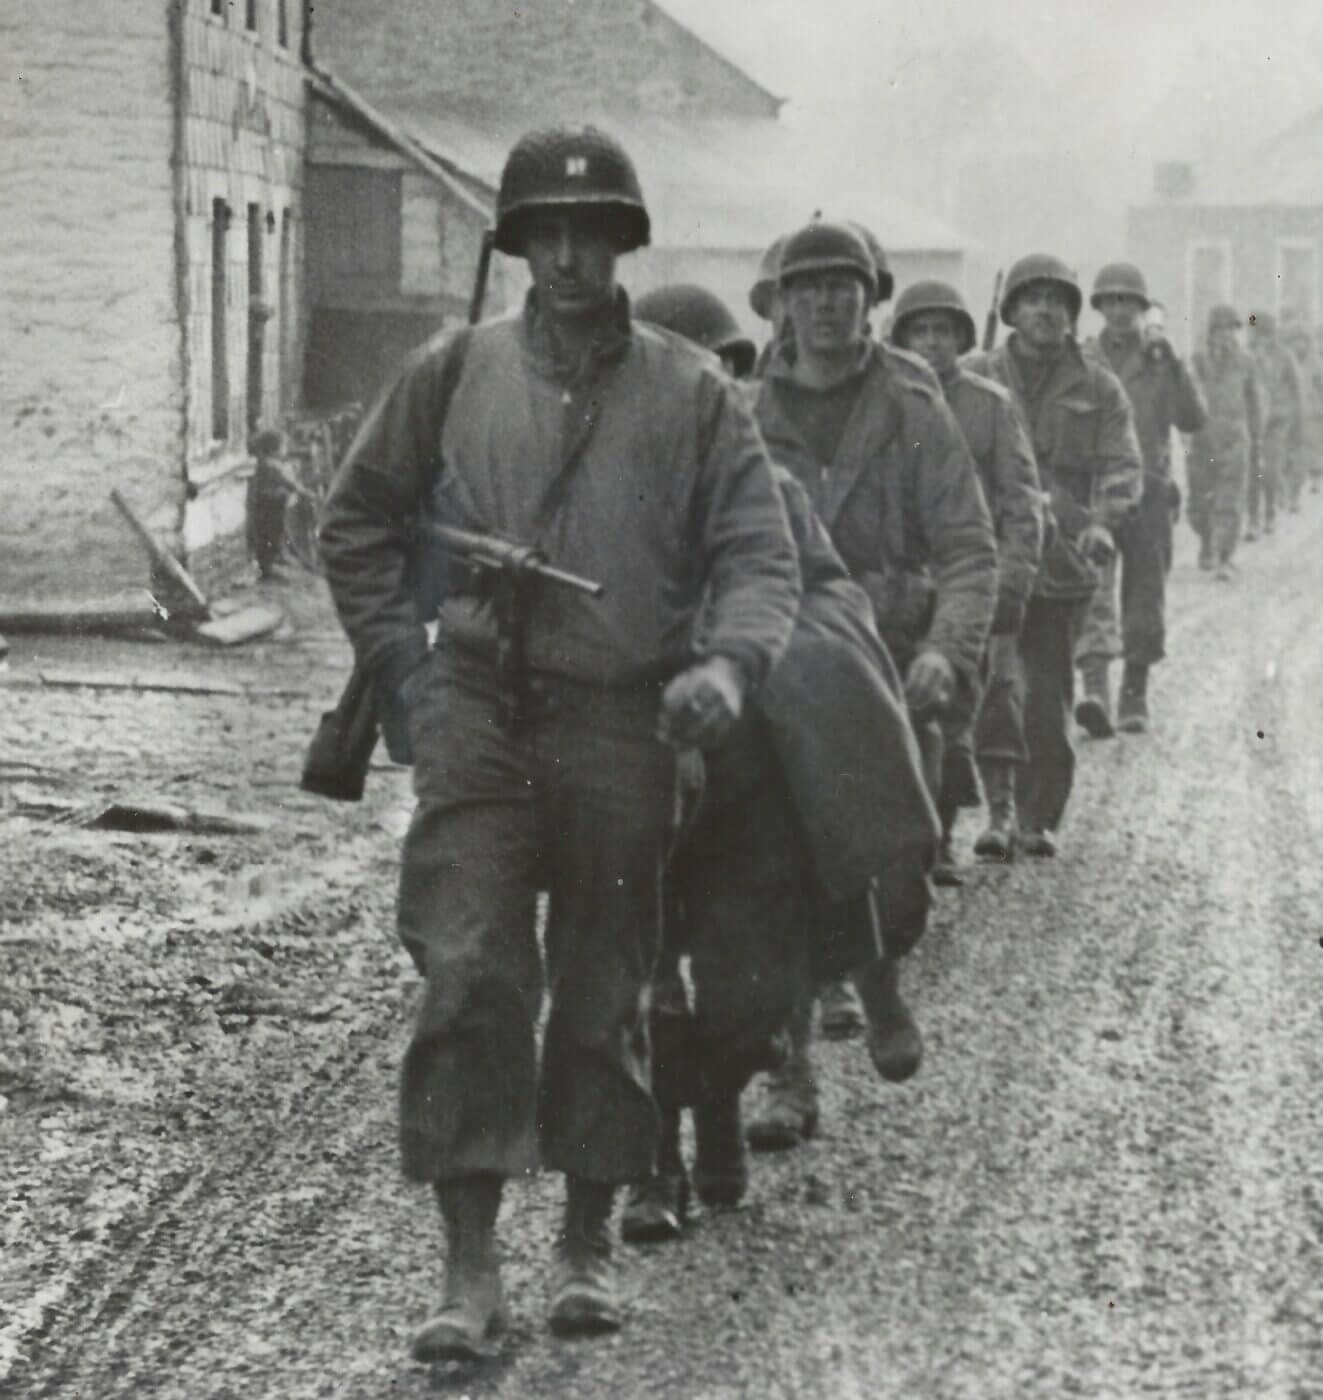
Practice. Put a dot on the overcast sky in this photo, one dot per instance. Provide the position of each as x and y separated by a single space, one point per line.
810 50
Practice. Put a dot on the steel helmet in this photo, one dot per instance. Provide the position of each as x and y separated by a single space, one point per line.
561 167
828 247
769 277
1224 318
698 315
934 296
1120 279
1040 267
886 283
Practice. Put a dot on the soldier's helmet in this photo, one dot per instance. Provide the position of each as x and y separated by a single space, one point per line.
1120 279
1040 267
1223 318
886 283
822 246
564 167
769 276
700 316
933 296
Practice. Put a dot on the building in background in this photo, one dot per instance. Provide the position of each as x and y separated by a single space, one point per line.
723 173
394 233
1252 236
149 273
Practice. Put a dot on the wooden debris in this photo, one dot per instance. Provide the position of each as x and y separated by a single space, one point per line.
166 816
248 623
113 680
161 556
135 608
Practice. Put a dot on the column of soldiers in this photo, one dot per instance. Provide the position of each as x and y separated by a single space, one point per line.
843 585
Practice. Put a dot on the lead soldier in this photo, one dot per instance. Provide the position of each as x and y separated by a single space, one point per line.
631 460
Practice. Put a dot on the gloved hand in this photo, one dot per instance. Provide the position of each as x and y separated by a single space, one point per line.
700 706
1097 545
929 683
1008 619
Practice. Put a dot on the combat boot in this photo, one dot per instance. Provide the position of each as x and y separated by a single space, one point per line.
721 1166
894 1042
655 1209
997 840
1093 713
1132 707
945 871
789 1114
1037 841
473 1307
840 1016
583 1299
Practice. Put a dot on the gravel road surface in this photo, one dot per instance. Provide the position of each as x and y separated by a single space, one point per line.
1107 1180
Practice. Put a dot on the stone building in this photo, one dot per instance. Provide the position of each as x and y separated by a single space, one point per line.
1251 235
722 172
149 276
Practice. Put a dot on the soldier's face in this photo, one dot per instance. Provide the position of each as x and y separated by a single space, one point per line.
571 257
936 336
1122 313
1041 314
1222 340
827 310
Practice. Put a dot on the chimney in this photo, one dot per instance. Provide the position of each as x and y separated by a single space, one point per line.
1173 179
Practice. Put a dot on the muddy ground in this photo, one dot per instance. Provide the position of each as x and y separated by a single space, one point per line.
1106 1181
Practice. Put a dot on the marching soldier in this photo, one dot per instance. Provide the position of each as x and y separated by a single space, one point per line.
865 429
633 461
778 850
1162 396
1083 434
932 320
1306 463
1279 382
1226 451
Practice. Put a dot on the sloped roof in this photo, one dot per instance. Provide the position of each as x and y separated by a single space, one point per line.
717 183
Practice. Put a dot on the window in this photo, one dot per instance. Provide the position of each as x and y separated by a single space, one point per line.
220 374
285 308
1208 277
282 24
1297 278
257 313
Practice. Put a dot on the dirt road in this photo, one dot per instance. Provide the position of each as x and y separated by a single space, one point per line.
1107 1181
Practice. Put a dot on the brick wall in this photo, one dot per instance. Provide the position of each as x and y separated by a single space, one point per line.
90 392
495 56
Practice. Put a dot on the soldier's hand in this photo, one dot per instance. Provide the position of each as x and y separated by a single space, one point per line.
930 682
1097 545
700 706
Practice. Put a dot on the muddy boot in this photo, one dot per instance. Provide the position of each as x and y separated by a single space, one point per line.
473 1307
1093 713
583 1299
945 872
721 1167
894 1042
1037 842
789 1114
1132 706
655 1209
996 842
840 1016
